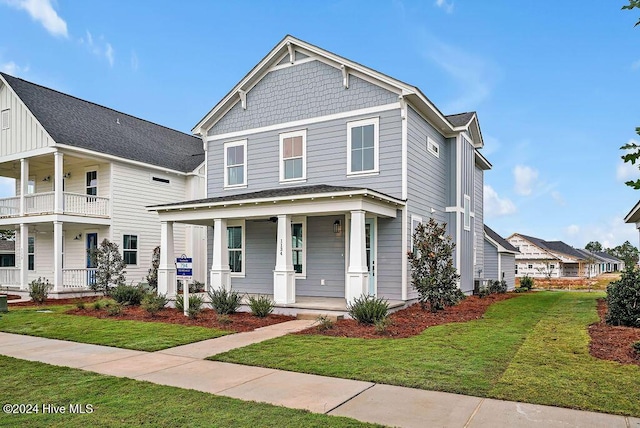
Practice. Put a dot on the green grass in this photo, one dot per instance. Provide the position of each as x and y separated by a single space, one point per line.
138 335
121 402
532 348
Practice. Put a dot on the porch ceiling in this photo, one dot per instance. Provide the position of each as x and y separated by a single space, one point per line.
308 200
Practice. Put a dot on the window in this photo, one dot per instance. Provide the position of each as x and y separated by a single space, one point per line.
552 266
235 164
234 245
297 250
130 249
31 253
5 118
92 183
516 269
415 221
31 186
530 266
467 212
433 147
362 146
293 154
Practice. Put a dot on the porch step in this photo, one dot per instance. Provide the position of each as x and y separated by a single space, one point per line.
315 315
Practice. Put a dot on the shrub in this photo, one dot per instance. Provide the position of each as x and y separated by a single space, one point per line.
110 268
224 319
80 305
324 323
636 347
526 283
153 303
368 309
128 294
261 306
498 287
152 277
623 299
195 304
433 274
225 302
114 309
97 305
39 290
382 325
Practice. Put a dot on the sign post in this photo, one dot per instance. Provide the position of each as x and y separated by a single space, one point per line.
184 271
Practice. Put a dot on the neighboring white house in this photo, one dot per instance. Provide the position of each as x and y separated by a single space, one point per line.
84 173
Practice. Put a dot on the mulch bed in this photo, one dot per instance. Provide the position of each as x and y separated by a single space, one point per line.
413 320
612 342
50 302
239 322
11 296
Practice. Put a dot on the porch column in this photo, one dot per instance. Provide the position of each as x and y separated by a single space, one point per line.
57 256
58 204
357 273
220 275
24 184
24 256
284 277
167 268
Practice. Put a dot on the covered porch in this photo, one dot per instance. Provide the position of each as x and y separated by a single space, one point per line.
308 245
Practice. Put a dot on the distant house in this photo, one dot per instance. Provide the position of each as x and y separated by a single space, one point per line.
609 263
553 259
83 173
499 258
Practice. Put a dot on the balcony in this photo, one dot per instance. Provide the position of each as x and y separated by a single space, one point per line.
44 203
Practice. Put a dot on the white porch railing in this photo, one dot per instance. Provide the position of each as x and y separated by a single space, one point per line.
39 203
9 207
94 206
9 276
44 203
78 278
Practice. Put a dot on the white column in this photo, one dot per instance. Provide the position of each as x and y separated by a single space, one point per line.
220 275
357 273
167 268
24 184
57 256
24 256
58 204
284 277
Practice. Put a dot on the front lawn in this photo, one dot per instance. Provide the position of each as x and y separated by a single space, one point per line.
117 402
138 335
533 348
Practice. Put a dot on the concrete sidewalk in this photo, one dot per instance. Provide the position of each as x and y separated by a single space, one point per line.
183 367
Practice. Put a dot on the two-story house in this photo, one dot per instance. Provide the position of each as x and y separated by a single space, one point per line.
83 173
318 171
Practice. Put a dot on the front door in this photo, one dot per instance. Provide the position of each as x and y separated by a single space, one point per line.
92 246
370 248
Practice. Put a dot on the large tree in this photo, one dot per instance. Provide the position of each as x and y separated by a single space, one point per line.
625 252
593 246
632 149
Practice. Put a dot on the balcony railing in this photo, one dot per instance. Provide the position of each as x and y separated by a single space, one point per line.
9 276
44 203
78 278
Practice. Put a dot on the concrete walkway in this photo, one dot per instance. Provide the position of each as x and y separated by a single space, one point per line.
183 367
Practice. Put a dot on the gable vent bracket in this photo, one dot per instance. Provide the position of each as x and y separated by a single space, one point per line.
345 76
403 107
292 54
243 98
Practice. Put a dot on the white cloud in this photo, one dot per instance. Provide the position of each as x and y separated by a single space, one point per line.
445 5
525 178
99 47
13 69
572 230
109 54
610 233
494 205
43 12
557 197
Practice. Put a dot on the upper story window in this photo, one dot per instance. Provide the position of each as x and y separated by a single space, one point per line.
362 146
467 212
293 156
92 183
235 163
31 186
5 118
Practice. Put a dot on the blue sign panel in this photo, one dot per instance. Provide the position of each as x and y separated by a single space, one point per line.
184 266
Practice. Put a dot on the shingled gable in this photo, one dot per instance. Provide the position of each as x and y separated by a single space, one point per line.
85 125
554 246
506 246
289 45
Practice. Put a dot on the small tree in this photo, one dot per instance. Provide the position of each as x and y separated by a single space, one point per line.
152 278
432 272
109 267
623 299
547 271
593 246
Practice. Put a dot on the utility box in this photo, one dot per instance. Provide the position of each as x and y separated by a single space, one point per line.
3 303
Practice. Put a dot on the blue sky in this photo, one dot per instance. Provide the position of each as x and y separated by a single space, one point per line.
555 83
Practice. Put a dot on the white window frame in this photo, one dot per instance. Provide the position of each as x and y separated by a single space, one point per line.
414 219
375 121
241 224
242 143
31 254
466 210
303 221
137 249
86 186
433 147
5 118
301 133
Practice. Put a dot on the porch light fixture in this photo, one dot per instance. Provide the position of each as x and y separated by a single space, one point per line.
67 175
77 237
337 227
47 178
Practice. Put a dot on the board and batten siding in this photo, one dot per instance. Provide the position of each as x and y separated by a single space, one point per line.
465 246
326 158
298 92
24 133
478 221
132 191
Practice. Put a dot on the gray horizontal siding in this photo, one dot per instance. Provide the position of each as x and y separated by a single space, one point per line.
302 91
508 269
490 261
260 258
389 259
326 158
